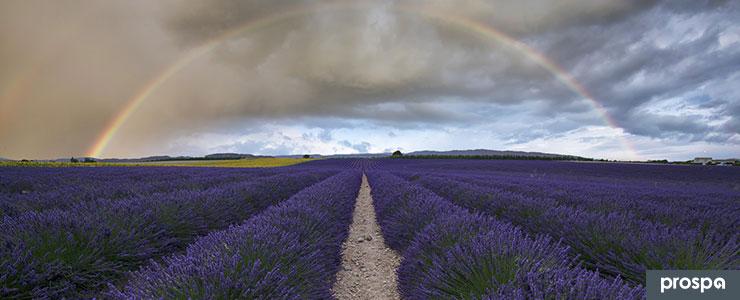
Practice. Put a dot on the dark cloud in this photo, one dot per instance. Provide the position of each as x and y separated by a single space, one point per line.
604 42
337 64
668 51
667 126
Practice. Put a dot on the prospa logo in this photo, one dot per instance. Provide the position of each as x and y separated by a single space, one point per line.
685 283
693 284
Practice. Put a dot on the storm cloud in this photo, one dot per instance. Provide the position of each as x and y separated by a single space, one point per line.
340 76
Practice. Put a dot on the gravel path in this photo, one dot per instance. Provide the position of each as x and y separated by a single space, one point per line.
368 266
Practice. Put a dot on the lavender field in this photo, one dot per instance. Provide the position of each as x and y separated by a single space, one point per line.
466 229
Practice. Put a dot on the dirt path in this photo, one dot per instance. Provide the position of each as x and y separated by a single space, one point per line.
368 266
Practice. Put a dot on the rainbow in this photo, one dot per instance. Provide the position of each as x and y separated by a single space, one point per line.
14 90
478 28
18 88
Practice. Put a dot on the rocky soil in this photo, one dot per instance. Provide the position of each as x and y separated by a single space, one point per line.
368 266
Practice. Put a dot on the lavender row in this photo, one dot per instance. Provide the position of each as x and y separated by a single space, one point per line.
15 180
667 176
562 187
290 251
617 244
113 190
674 184
449 252
706 212
122 187
75 252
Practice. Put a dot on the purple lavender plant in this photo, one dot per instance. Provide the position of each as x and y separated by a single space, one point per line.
618 244
77 251
291 251
452 253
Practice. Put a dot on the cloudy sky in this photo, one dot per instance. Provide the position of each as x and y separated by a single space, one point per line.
293 77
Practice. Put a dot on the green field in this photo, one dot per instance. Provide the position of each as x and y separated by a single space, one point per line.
261 162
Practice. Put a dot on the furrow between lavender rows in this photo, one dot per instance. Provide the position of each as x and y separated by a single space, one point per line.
290 251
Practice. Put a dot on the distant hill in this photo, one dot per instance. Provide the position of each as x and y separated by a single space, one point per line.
67 159
486 152
144 159
229 156
492 154
357 155
215 156
5 159
476 153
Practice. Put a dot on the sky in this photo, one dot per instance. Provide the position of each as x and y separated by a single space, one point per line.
615 79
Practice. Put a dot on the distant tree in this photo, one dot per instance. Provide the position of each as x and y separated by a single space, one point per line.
73 160
658 161
306 156
89 160
397 153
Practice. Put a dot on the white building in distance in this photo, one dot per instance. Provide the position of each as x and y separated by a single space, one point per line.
710 161
702 160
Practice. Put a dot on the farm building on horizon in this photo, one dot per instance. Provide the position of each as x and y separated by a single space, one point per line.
702 160
710 161
725 162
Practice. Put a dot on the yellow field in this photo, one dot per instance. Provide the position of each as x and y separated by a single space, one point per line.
266 162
